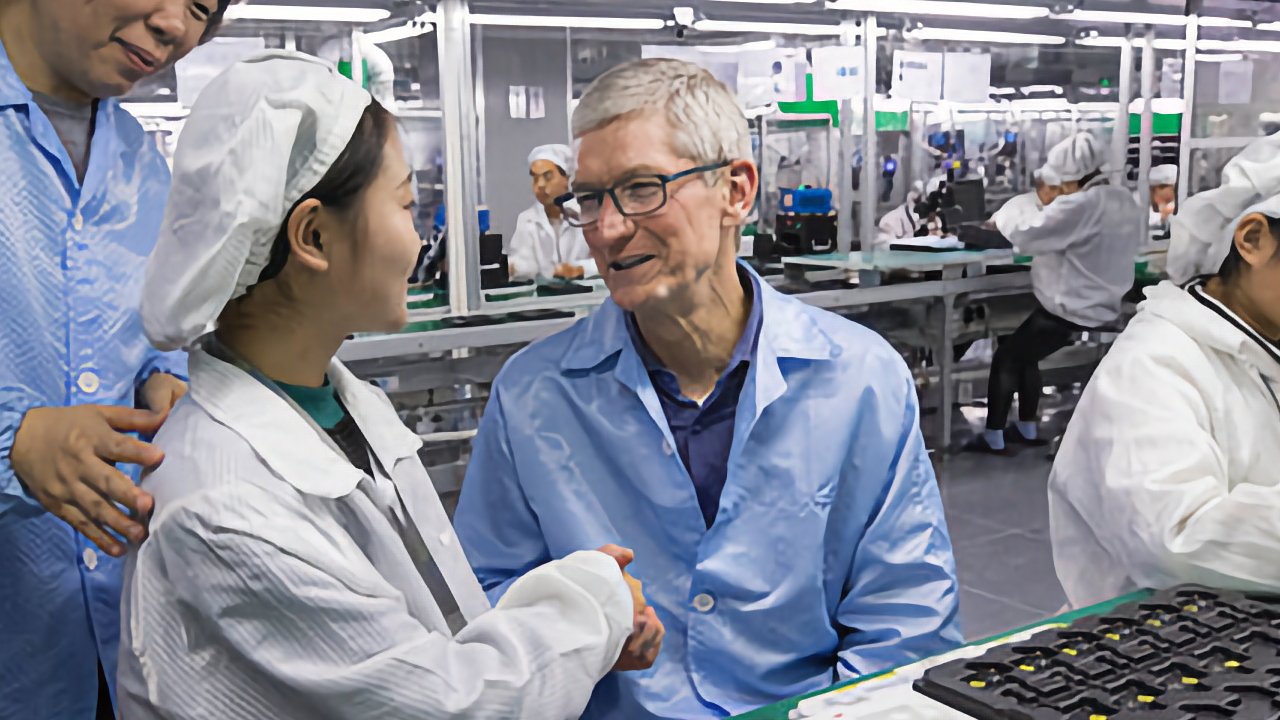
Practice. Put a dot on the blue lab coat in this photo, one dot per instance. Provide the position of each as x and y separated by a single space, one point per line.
73 257
829 557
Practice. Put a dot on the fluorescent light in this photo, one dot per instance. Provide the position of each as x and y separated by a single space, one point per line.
944 8
601 23
420 25
741 47
1259 46
981 36
766 27
1115 42
1056 89
304 13
1131 18
1271 26
771 2
1228 57
1215 21
684 15
1003 91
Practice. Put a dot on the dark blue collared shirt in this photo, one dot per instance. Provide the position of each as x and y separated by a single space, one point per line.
704 433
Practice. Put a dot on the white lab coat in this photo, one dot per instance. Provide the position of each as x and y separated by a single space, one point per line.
1084 247
1019 211
1168 472
899 224
536 248
274 585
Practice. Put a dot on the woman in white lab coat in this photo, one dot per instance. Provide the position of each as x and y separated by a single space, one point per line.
1169 471
544 245
300 564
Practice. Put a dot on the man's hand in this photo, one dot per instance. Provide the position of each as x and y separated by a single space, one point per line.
66 458
642 647
569 271
161 392
1168 210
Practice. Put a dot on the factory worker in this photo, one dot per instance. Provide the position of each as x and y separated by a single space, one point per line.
1167 474
903 222
300 563
1084 245
788 535
1164 196
1023 209
544 244
84 194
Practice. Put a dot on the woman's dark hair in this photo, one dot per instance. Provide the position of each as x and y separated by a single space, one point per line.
354 171
215 20
1234 264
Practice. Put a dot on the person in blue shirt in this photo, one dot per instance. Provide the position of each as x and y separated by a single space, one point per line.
763 457
81 209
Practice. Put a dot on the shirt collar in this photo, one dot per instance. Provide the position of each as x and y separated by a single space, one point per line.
781 324
284 439
12 90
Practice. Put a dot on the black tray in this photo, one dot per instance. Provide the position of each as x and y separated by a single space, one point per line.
1190 653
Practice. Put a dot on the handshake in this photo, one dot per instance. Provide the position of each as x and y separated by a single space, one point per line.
642 647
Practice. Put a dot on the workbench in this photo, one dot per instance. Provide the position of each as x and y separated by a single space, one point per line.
891 689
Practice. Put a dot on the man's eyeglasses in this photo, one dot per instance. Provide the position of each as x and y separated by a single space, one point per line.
636 197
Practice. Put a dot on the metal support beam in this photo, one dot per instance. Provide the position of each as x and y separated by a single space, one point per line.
870 146
1188 108
1148 125
1120 136
457 96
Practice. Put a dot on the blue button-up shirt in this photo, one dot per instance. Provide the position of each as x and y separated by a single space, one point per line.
704 432
73 258
829 557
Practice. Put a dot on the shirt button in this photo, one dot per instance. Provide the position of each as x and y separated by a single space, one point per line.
78 222
90 558
88 382
704 603
446 538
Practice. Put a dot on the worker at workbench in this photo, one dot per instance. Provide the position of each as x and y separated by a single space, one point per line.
788 535
1023 209
1167 474
905 221
544 245
1084 246
84 195
1164 198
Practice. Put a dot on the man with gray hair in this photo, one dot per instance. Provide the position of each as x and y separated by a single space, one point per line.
763 457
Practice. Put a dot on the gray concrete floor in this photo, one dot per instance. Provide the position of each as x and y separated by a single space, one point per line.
998 513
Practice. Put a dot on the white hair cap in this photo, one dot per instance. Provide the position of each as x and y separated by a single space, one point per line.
1077 157
559 155
1205 226
1047 176
1163 175
259 137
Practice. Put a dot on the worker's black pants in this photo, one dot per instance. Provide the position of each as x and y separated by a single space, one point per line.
1015 368
104 697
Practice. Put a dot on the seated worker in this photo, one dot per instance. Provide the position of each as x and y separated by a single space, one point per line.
1023 209
1164 197
762 456
1084 245
903 221
544 245
1167 474
300 564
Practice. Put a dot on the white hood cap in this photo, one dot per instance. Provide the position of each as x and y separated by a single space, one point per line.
1205 226
560 155
1077 157
259 137
1048 176
1163 175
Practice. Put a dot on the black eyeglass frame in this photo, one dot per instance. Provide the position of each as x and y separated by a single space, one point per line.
612 193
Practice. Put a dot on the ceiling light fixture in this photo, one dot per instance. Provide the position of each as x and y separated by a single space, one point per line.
288 13
1224 58
600 23
1131 18
741 47
943 8
768 27
1239 46
987 36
